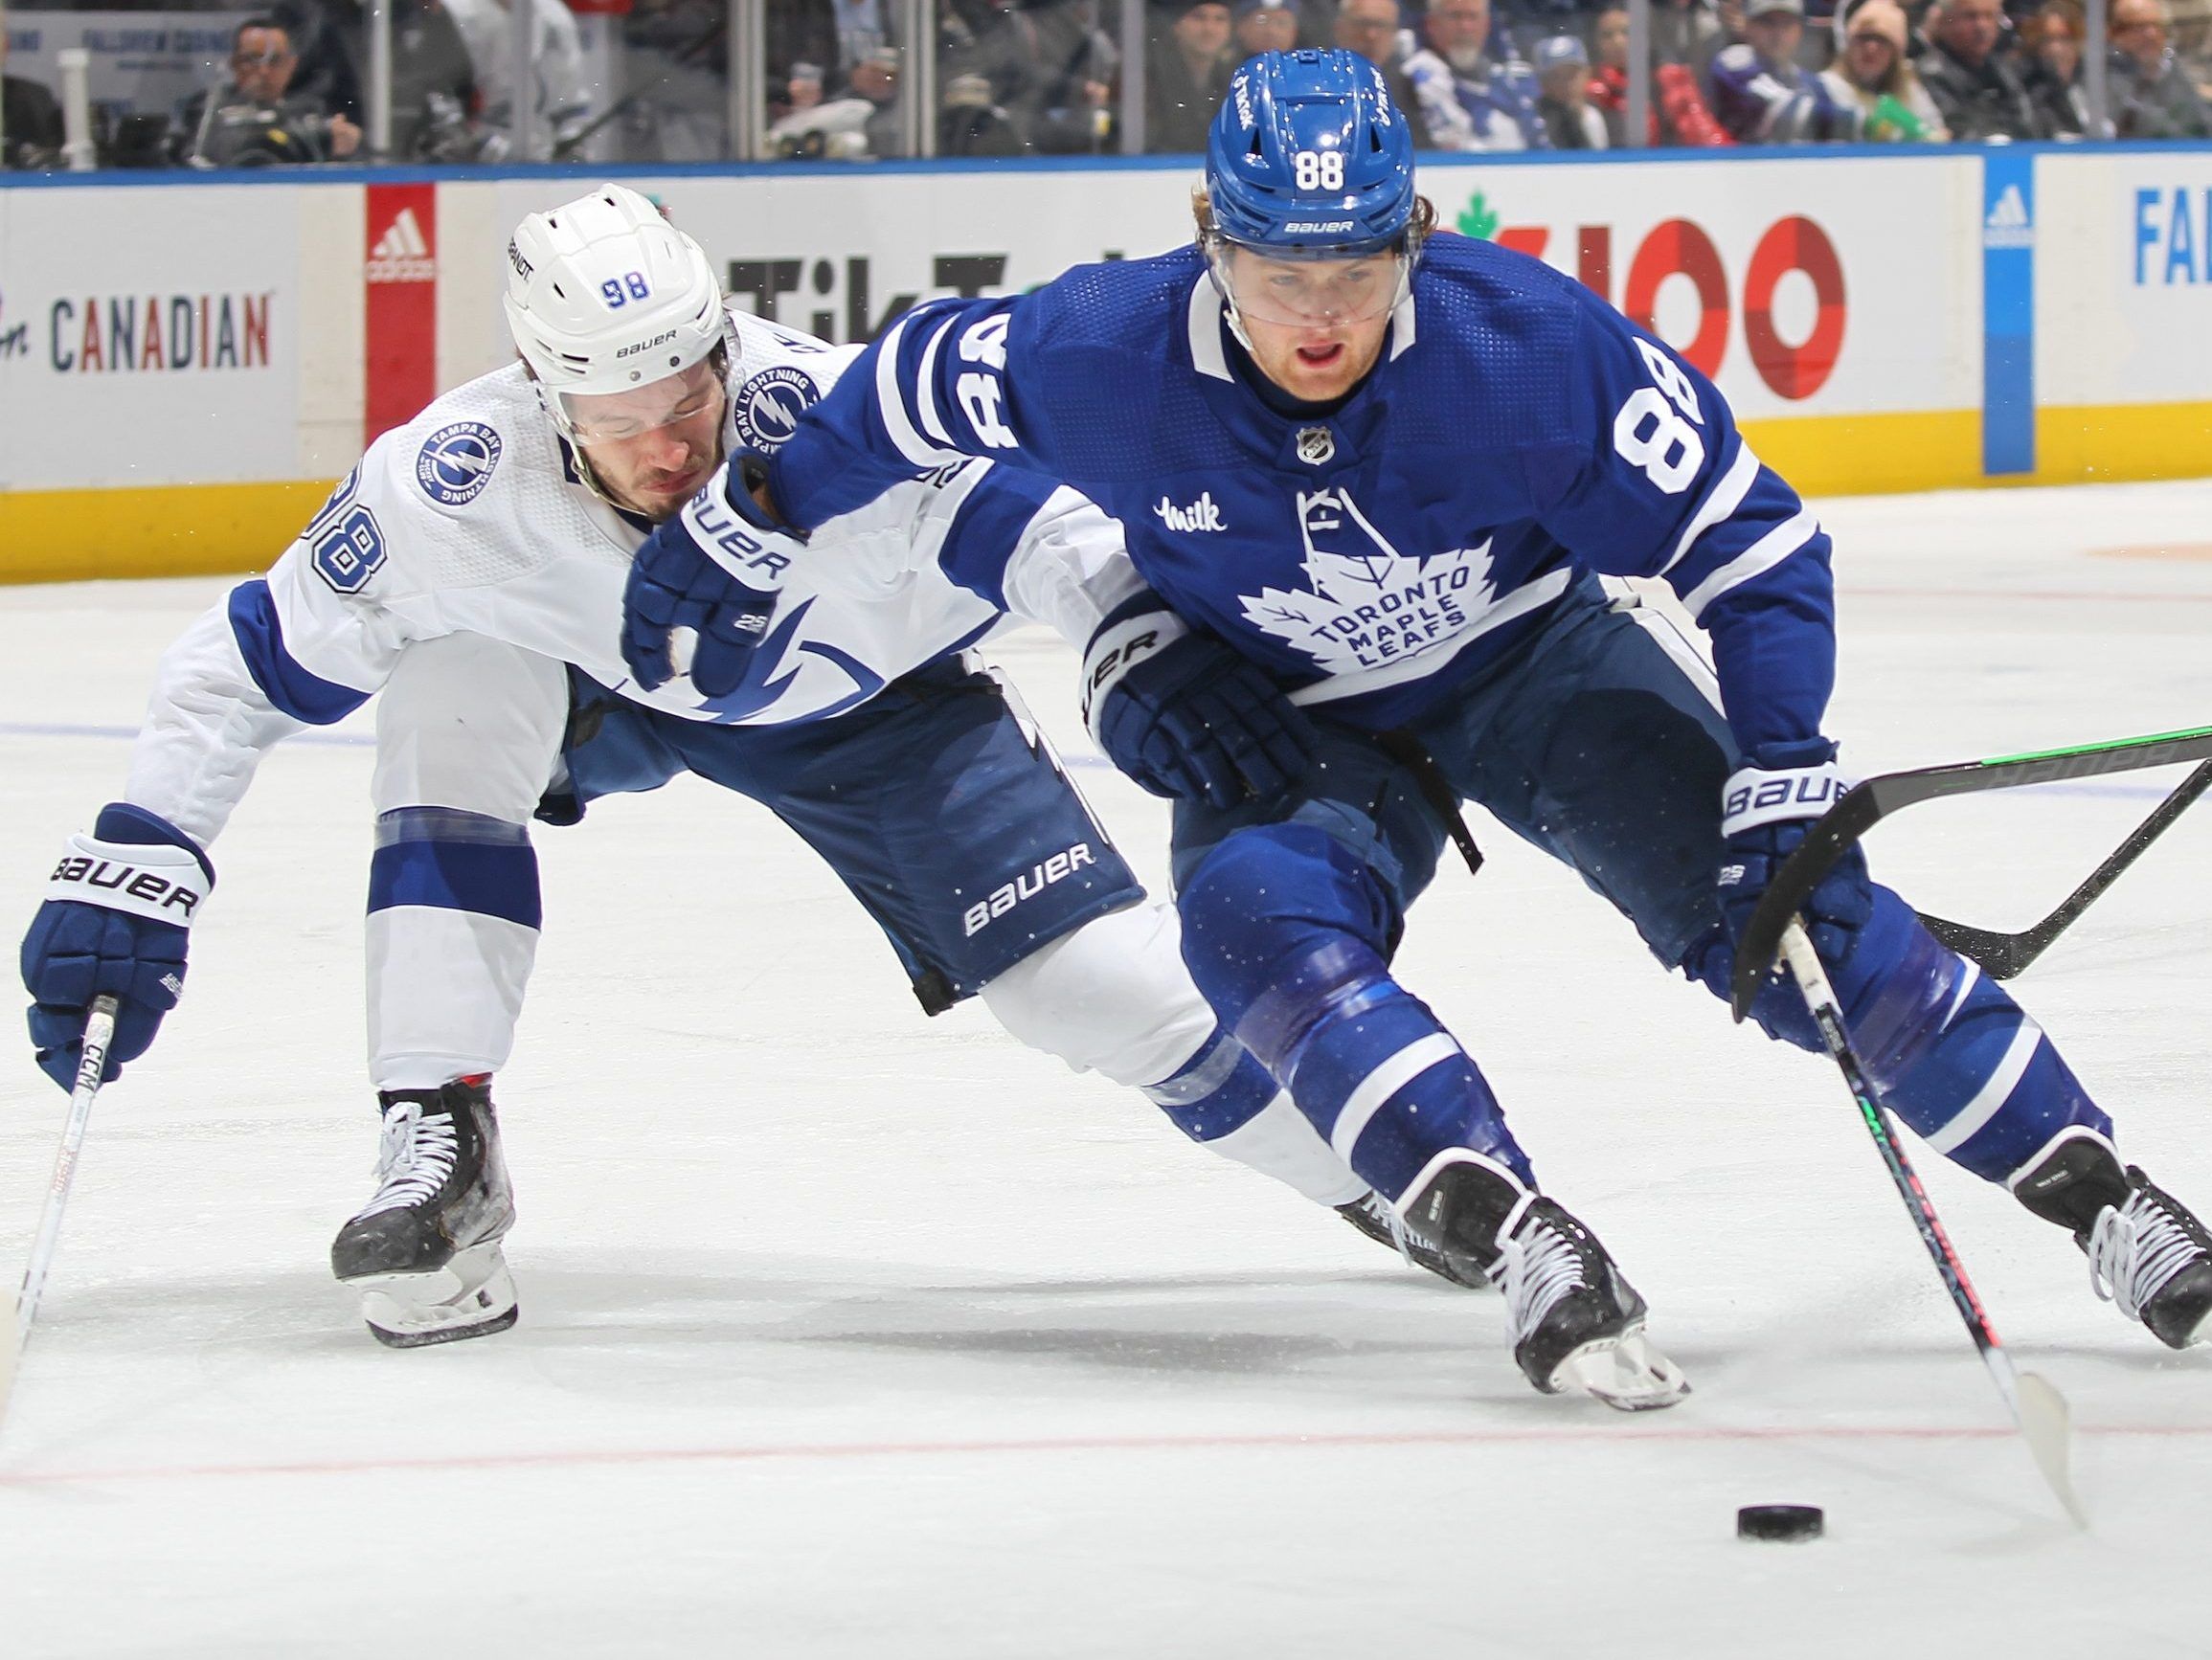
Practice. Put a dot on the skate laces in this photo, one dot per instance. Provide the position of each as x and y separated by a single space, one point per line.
1537 1264
413 1158
2134 1249
1382 1210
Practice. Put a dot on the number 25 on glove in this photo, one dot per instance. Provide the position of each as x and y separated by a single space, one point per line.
117 910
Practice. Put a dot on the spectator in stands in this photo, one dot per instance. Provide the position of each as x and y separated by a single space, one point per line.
1265 26
1563 79
970 124
325 34
252 120
1974 84
866 122
1050 66
2189 32
32 138
1370 29
798 32
1691 32
862 30
1873 73
434 98
1762 95
1467 100
876 80
561 92
2053 78
2152 97
1609 76
1679 112
675 100
1186 71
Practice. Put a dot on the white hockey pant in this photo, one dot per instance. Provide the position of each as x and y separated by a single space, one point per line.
1114 998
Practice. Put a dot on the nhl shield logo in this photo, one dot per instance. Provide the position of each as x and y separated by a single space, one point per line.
456 462
1316 445
767 409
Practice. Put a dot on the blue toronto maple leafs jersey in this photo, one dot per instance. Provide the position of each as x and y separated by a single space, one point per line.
1516 429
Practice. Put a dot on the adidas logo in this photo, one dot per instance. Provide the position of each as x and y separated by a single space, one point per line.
1200 515
402 253
2008 225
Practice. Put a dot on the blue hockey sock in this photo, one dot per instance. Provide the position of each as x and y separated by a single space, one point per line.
1953 1056
1282 930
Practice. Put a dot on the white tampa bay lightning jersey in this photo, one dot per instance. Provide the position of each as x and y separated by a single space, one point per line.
471 519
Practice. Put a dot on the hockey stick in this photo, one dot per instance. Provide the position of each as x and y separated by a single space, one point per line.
1867 805
2002 956
2037 1407
99 1033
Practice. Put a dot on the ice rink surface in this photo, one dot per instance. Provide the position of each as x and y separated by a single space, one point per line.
851 1334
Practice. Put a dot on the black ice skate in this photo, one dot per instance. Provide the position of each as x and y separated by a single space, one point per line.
2148 1255
424 1251
1576 1323
1373 1216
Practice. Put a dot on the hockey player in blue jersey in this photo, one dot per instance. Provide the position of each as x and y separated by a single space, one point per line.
1372 479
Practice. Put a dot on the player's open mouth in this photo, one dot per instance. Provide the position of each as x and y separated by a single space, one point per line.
1321 356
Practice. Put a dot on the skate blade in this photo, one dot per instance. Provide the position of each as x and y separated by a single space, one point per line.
1627 1373
471 1296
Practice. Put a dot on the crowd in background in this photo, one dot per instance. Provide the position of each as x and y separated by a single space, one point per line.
1046 76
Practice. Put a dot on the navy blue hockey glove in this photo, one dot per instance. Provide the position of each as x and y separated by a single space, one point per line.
1765 809
714 568
114 921
1183 714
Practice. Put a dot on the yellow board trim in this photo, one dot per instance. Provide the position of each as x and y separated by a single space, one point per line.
1866 455
171 530
1872 454
2105 442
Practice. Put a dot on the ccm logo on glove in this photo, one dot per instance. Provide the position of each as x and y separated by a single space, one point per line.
162 884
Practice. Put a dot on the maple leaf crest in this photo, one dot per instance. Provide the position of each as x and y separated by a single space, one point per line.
1368 603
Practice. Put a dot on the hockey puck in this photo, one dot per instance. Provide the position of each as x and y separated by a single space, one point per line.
1788 1524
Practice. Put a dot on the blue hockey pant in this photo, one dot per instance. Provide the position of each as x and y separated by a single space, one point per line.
1596 738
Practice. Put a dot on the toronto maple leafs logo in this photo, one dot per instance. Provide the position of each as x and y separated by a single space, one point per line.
1371 605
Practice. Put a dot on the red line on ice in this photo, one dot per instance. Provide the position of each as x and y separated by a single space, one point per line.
647 1455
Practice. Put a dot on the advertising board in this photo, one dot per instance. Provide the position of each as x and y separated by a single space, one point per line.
186 364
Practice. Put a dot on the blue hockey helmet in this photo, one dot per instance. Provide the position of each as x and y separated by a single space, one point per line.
1309 158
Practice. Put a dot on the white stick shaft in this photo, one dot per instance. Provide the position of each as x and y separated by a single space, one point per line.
99 1033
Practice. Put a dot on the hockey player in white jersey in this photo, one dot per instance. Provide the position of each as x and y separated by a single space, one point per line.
471 568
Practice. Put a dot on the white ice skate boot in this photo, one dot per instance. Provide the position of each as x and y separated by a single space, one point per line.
424 1251
2148 1257
1575 1321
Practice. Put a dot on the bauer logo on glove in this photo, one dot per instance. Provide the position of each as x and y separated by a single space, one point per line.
170 894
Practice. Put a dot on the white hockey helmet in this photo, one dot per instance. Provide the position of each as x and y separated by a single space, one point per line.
603 295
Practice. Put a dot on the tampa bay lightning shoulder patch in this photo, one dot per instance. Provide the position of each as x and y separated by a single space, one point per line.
767 409
456 462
